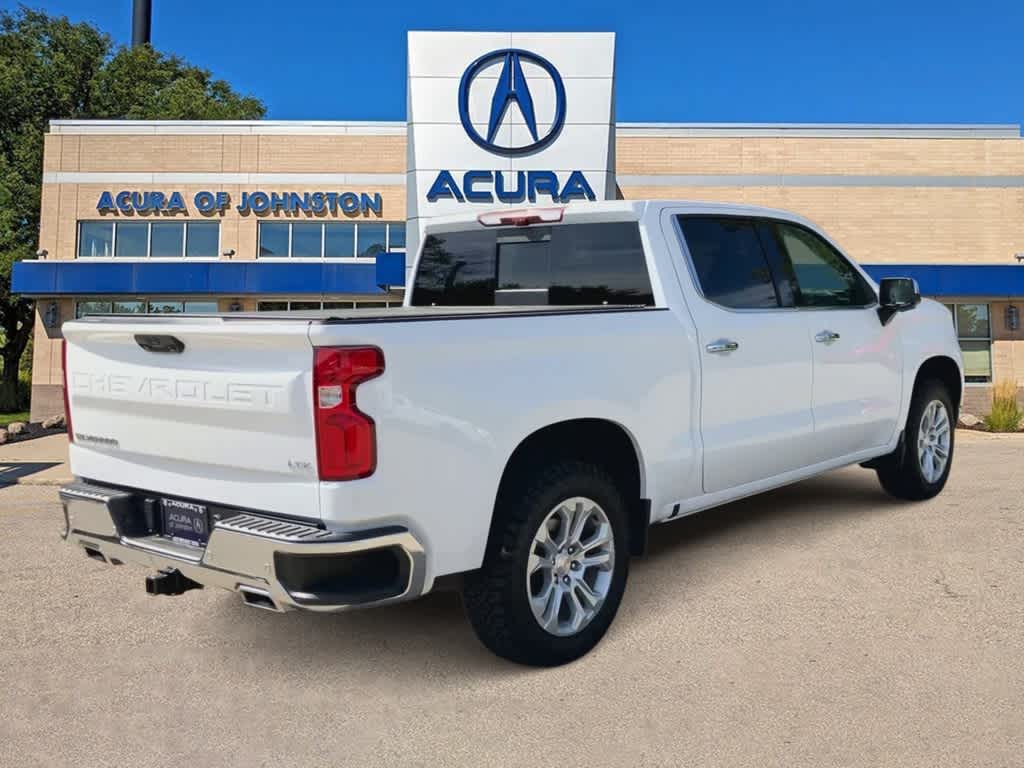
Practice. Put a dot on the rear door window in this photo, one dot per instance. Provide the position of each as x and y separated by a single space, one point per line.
570 265
729 261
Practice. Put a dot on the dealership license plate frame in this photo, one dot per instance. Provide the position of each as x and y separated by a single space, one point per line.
185 522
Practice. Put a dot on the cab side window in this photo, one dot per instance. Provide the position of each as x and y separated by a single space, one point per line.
729 261
822 277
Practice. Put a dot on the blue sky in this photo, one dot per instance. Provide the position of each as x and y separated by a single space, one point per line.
743 61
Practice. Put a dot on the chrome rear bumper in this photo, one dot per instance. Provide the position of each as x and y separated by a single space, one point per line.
293 565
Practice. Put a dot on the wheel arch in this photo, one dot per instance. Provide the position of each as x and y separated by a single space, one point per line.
945 370
598 440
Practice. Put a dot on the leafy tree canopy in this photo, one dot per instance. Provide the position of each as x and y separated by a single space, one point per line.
51 68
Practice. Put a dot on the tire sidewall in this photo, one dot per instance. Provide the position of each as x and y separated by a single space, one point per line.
911 463
542 501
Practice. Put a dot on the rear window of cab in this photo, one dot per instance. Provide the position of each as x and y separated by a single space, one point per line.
566 265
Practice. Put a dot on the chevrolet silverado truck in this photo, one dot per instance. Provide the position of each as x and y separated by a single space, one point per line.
558 381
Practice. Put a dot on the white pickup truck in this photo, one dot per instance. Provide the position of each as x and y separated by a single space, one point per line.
558 381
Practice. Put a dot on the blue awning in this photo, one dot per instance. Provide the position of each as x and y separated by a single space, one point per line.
233 278
938 280
239 278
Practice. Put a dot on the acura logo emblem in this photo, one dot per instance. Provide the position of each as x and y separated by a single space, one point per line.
511 87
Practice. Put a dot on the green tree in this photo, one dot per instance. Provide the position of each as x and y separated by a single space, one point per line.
51 68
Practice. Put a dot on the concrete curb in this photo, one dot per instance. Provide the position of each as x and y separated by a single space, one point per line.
45 481
980 434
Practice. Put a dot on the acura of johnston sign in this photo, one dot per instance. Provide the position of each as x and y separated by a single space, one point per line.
511 91
129 201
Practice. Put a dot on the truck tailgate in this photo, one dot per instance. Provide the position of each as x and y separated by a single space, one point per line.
227 419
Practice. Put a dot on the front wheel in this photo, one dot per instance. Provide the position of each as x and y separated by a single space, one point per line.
920 468
556 570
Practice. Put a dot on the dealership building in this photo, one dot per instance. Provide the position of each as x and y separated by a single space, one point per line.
169 217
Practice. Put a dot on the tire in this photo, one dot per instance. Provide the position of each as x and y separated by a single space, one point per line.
500 597
904 474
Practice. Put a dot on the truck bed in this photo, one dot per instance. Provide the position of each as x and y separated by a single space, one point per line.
227 416
379 315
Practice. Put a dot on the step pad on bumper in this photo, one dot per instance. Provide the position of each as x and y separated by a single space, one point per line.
275 529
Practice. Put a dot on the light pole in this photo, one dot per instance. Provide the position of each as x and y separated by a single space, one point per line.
142 22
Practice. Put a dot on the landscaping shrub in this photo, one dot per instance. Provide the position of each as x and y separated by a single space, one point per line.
1006 413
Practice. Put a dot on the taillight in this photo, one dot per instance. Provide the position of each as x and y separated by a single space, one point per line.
346 438
67 400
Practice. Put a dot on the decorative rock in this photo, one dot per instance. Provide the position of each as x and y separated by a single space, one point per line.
969 420
3 436
54 422
16 428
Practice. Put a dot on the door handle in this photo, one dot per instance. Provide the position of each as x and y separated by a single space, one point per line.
722 345
826 337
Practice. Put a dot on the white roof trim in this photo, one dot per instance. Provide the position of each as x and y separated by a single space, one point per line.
398 128
822 130
229 127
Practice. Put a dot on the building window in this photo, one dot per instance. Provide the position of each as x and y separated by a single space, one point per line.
95 238
299 305
329 240
974 330
137 306
148 239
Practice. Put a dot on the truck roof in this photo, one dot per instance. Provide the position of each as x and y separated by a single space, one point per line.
607 210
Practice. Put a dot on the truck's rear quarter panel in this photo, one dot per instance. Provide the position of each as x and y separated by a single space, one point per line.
458 396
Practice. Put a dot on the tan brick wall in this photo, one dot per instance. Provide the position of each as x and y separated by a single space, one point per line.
977 400
47 374
878 225
331 154
849 156
634 155
874 224
229 154
1007 345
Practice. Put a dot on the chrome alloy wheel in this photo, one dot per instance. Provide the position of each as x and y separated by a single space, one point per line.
569 571
933 437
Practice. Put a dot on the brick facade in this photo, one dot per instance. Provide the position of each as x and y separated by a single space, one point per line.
885 198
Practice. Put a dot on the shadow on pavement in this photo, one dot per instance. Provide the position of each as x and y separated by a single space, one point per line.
853 492
13 471
432 635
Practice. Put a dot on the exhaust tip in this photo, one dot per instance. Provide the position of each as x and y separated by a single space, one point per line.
258 598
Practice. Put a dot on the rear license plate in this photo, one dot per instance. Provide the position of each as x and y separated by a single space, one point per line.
185 522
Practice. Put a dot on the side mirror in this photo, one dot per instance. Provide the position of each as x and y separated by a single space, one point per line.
896 294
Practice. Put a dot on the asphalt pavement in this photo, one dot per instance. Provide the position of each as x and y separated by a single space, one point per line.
819 625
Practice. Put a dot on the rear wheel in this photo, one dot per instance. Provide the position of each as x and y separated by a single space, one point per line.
556 570
920 467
